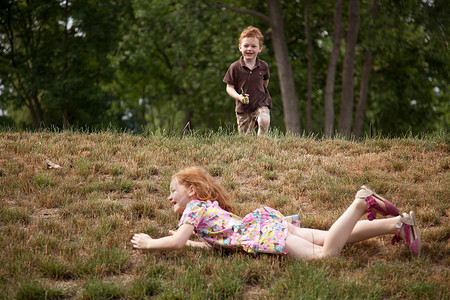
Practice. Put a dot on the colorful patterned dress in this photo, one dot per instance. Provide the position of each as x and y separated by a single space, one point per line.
262 231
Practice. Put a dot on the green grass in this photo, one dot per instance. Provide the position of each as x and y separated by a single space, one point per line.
64 233
30 290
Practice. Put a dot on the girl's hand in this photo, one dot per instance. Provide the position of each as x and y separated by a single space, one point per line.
172 242
141 241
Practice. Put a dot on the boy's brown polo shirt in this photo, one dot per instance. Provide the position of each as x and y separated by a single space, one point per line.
251 82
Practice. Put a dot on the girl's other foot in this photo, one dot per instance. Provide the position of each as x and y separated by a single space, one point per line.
376 204
408 230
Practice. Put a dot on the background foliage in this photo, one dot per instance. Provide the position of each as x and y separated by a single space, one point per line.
159 64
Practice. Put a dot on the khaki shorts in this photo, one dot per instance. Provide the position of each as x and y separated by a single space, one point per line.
247 122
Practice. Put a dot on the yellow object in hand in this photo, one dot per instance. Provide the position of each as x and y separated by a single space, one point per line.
244 94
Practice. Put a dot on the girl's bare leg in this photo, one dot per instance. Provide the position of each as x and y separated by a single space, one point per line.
314 236
341 230
362 231
301 248
366 229
335 239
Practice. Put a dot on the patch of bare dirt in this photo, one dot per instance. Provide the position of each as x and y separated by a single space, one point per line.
45 214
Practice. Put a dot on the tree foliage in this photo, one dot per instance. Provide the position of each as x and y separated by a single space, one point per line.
55 58
160 64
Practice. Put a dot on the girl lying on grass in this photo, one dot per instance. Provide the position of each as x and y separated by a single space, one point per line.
207 211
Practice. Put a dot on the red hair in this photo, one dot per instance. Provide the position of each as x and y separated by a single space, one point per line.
252 32
206 188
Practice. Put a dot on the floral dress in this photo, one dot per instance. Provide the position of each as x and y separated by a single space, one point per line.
262 231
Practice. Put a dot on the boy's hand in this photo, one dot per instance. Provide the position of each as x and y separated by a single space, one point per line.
244 98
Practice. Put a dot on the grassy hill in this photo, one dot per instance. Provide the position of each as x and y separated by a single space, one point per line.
65 232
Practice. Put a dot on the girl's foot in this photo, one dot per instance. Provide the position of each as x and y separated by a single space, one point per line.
376 204
408 230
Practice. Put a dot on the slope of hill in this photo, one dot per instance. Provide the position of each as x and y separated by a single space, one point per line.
65 231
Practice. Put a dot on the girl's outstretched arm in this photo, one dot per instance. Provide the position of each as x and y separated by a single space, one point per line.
197 244
172 242
194 244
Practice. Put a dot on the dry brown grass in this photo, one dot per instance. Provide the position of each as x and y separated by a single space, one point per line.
65 232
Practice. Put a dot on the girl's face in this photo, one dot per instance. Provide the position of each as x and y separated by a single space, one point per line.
250 48
180 196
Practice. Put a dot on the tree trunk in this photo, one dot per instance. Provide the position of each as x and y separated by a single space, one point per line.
310 74
33 113
35 109
346 114
285 75
143 109
331 74
359 118
65 93
189 114
65 117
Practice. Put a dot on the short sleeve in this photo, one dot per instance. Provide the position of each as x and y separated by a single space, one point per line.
266 74
230 76
193 214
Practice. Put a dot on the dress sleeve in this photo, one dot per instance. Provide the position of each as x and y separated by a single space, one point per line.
193 214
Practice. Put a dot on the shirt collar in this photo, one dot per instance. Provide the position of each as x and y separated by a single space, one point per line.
257 62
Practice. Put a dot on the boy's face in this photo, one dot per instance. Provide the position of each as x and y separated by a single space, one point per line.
250 48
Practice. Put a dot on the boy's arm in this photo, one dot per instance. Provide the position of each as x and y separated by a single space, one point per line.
235 95
173 242
266 82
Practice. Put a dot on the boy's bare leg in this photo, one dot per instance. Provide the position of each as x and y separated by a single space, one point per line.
263 120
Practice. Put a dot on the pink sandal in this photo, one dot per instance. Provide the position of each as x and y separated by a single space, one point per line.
411 233
372 205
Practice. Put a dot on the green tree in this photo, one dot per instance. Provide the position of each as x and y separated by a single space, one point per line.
55 57
160 64
23 53
409 81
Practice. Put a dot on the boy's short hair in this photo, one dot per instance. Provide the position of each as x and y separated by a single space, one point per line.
252 32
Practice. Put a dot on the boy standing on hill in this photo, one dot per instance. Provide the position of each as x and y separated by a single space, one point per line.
247 81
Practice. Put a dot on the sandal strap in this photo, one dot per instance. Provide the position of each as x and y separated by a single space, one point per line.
410 231
373 207
407 220
372 193
396 238
406 231
364 193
